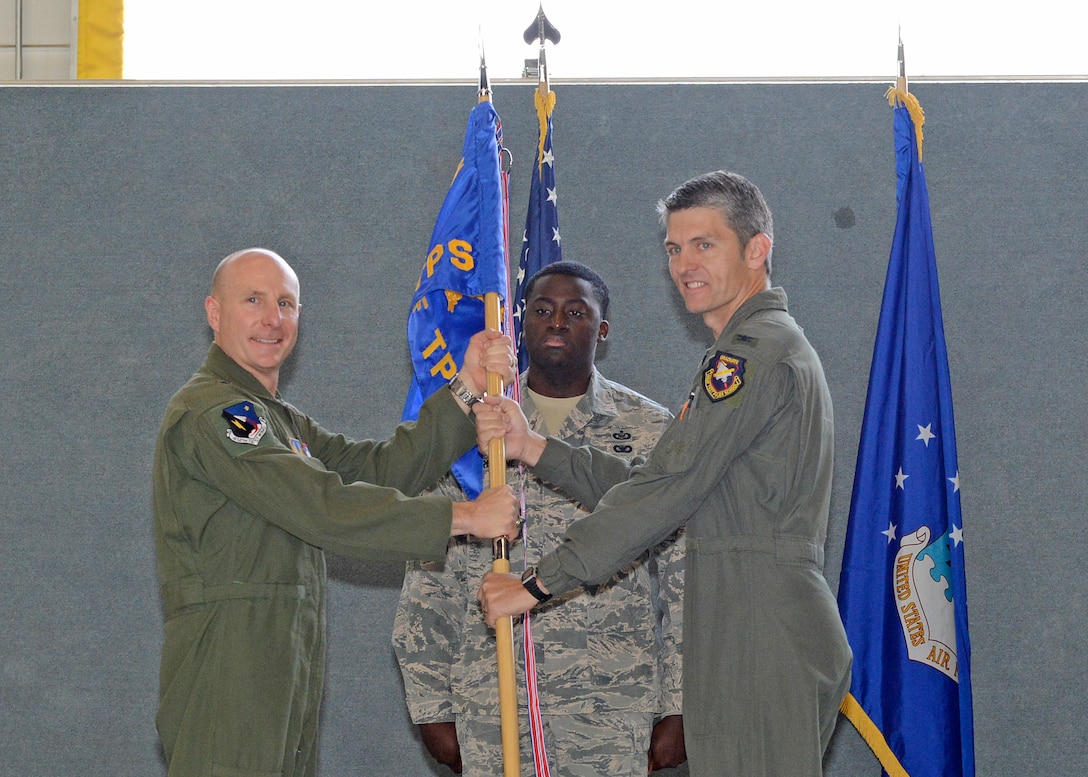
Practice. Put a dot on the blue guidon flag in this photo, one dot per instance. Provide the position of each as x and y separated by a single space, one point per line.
466 260
903 589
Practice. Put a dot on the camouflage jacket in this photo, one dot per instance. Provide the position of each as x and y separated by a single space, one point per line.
614 646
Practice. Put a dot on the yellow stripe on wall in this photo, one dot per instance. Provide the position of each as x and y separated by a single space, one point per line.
100 41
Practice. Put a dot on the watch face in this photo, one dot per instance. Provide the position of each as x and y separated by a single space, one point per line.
528 580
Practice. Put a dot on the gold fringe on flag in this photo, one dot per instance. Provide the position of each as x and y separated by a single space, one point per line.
545 104
902 96
872 736
100 39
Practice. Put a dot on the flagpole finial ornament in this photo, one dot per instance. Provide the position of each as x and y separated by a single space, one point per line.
898 95
541 29
484 91
901 81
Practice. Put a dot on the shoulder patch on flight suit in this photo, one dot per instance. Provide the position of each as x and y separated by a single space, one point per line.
724 377
243 424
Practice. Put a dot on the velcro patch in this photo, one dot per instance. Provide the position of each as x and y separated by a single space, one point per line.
243 424
724 377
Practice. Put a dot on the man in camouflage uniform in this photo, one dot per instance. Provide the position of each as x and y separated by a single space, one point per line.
607 656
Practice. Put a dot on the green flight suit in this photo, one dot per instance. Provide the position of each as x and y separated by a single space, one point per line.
247 494
747 465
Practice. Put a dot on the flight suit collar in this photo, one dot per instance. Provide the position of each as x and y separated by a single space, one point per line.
770 299
232 372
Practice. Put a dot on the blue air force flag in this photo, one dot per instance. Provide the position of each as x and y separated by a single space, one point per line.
466 260
540 245
902 592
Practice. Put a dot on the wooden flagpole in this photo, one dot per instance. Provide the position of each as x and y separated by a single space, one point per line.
496 455
504 627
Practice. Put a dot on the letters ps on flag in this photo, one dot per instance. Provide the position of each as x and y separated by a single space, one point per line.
465 261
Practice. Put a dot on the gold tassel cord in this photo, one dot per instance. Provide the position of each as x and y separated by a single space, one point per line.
872 736
898 96
545 104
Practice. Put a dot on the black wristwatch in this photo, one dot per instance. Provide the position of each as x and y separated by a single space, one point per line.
460 390
528 579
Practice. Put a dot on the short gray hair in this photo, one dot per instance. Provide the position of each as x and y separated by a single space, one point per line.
739 201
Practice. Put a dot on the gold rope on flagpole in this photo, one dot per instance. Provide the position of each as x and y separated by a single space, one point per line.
914 108
542 30
545 104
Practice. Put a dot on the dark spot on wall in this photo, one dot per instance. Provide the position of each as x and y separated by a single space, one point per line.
844 218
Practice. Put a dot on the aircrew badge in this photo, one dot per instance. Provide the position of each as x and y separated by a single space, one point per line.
724 377
243 425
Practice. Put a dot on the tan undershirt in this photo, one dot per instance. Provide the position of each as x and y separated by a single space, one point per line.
553 410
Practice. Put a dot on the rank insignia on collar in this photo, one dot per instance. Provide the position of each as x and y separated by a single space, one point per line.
724 377
243 425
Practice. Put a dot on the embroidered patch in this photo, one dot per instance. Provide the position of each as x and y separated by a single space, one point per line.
243 425
724 377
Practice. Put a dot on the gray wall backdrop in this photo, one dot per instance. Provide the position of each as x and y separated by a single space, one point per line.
117 201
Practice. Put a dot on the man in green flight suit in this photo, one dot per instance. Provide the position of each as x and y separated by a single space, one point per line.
247 494
746 465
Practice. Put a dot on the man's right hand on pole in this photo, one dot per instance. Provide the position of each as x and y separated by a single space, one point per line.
492 514
502 417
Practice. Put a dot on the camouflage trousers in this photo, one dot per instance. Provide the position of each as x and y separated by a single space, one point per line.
612 744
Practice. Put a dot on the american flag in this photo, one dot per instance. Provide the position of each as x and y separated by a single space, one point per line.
540 244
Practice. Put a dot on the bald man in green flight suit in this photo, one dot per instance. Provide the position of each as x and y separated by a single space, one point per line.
248 492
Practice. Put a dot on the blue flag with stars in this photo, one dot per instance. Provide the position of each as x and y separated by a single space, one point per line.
903 592
540 245
466 260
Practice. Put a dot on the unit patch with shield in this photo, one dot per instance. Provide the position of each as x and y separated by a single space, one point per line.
724 377
243 425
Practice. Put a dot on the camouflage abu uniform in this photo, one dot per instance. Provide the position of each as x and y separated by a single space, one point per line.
603 673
